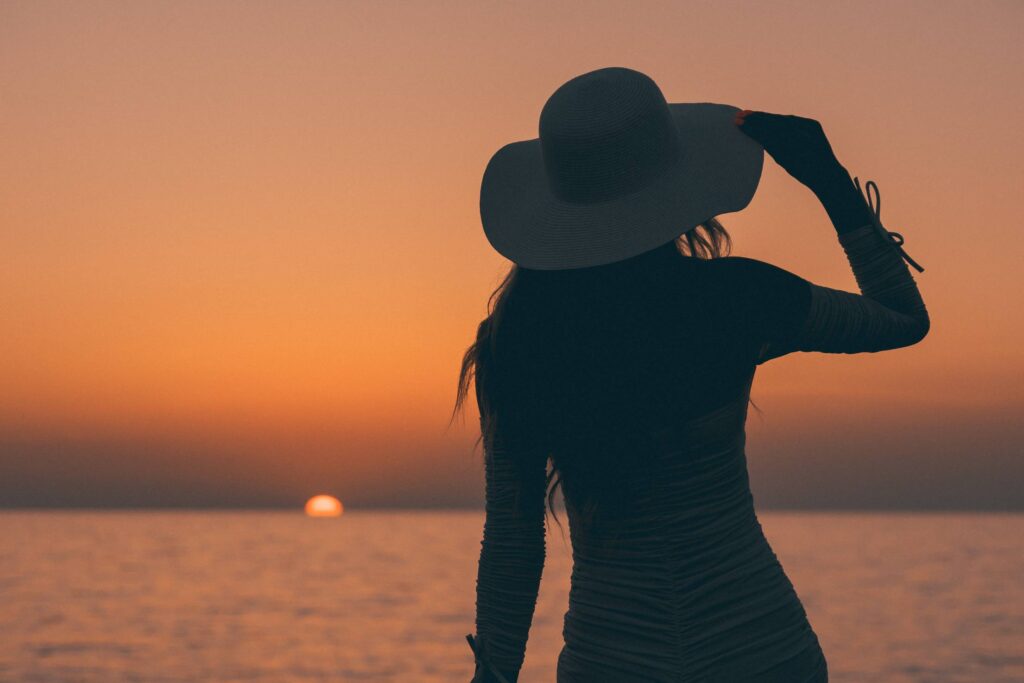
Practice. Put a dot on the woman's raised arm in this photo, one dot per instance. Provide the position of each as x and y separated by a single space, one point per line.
888 313
797 315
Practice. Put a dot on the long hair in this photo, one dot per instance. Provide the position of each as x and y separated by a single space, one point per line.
546 329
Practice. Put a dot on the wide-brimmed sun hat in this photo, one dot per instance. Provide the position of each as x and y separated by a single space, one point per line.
617 171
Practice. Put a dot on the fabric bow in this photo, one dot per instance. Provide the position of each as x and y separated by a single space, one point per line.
876 210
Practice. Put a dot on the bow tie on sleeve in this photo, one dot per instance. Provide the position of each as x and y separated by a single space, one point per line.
876 211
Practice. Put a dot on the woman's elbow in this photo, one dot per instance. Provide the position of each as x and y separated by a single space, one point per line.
924 326
917 333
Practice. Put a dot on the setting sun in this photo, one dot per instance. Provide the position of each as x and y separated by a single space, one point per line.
323 506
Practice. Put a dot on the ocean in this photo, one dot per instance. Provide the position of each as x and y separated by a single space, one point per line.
163 596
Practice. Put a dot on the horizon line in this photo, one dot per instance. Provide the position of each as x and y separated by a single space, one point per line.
298 509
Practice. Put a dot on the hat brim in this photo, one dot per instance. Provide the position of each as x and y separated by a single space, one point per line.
718 172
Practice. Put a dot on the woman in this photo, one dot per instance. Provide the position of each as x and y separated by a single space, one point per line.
621 348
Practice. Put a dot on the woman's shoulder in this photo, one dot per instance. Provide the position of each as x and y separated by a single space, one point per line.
746 268
752 275
756 288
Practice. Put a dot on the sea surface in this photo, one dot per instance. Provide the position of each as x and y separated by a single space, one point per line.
106 597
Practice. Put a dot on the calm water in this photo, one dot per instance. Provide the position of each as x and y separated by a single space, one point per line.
202 596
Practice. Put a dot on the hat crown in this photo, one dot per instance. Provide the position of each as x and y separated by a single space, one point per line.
606 133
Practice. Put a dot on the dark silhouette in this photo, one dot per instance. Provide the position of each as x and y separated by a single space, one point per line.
632 380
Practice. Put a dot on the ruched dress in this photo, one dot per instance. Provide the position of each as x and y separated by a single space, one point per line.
684 586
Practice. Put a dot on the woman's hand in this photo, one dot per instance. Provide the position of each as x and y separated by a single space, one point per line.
798 145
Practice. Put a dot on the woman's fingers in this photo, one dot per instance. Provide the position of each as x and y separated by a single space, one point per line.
776 129
758 124
740 115
798 144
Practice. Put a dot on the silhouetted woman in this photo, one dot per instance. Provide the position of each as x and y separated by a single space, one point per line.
621 347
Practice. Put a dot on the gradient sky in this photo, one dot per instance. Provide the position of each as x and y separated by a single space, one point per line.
242 257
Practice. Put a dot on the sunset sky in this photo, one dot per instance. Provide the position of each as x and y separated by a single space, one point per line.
242 257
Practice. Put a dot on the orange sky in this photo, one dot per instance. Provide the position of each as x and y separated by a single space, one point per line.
241 250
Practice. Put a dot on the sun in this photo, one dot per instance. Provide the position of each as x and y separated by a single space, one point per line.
324 506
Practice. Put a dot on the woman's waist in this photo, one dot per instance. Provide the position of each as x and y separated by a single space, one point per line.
680 567
699 610
727 562
661 515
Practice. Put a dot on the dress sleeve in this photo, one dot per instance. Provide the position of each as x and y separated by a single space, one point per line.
511 558
888 313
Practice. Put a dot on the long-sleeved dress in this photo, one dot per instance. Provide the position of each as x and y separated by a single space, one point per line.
684 586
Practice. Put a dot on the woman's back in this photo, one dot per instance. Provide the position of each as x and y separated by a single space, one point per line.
673 336
678 582
682 584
